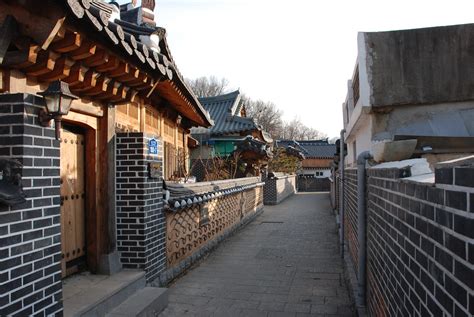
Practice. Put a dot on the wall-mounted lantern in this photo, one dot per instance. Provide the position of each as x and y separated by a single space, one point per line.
58 100
179 119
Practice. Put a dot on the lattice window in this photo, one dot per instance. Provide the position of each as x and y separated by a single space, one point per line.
175 161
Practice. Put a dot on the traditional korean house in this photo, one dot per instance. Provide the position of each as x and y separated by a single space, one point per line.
317 156
233 132
84 192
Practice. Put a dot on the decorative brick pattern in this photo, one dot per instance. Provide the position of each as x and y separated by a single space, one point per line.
313 184
30 241
419 245
141 222
186 231
277 189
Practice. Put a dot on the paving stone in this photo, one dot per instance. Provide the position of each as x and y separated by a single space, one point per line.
298 308
272 306
285 263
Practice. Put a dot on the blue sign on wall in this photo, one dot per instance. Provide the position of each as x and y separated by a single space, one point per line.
153 147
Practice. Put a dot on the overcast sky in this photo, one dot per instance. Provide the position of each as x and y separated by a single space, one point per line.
298 54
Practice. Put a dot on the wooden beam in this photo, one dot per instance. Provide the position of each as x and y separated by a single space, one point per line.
132 75
44 64
100 57
23 58
121 95
100 86
62 68
113 90
30 23
85 51
121 70
4 80
90 80
76 75
87 109
8 31
111 64
54 32
71 42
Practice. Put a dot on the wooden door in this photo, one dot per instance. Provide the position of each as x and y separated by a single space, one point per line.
73 242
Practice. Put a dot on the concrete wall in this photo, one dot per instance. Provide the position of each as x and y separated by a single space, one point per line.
420 66
279 188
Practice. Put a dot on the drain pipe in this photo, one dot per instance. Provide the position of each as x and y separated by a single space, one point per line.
361 226
341 190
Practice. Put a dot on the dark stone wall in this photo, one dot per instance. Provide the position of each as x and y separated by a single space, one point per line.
420 247
278 189
141 223
421 66
30 233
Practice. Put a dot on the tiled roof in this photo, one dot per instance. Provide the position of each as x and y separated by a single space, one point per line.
136 42
223 111
311 148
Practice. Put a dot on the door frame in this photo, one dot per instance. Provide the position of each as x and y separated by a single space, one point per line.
93 215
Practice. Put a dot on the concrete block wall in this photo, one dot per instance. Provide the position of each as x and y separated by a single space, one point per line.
30 233
420 244
279 188
141 223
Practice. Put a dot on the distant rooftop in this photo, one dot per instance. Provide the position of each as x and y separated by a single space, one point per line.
224 110
310 148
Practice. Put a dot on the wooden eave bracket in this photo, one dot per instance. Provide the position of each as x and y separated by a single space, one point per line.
58 29
8 31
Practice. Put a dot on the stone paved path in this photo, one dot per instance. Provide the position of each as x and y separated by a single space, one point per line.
284 263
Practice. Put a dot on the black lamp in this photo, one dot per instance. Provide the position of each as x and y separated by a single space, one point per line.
58 100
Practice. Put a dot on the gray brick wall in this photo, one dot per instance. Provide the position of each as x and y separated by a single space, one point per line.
421 244
350 213
278 189
141 232
30 241
313 184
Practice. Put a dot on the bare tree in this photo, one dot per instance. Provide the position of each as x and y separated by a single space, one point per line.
265 114
208 86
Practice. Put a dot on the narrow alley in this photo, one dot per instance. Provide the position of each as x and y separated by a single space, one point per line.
284 263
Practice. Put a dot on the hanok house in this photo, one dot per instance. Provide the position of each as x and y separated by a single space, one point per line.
316 166
92 199
232 132
318 156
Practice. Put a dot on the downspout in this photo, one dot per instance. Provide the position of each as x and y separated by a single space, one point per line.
361 226
341 190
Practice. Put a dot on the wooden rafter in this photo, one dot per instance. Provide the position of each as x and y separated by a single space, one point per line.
8 31
101 56
90 80
23 58
76 75
85 51
112 63
62 68
44 63
71 42
100 86
58 31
